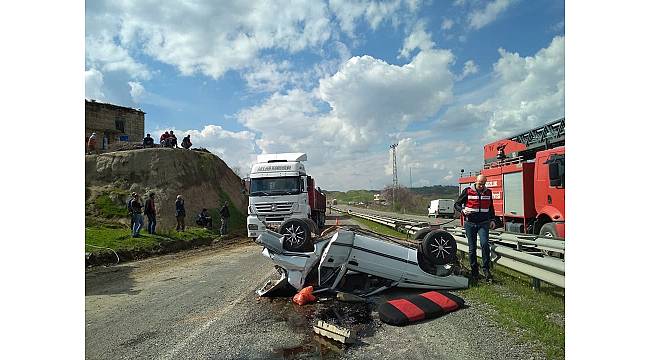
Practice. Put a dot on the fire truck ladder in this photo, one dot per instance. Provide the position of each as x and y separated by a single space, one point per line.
544 137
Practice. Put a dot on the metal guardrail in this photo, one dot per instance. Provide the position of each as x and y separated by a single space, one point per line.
520 252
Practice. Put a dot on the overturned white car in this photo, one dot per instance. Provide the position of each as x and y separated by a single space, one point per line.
382 261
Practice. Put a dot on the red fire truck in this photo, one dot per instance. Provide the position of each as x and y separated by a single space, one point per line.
526 175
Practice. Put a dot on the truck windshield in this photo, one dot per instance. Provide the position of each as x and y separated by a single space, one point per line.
275 186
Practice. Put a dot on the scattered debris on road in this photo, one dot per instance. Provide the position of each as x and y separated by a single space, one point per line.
334 332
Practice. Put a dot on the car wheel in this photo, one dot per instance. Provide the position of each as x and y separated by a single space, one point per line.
439 247
420 234
297 235
548 230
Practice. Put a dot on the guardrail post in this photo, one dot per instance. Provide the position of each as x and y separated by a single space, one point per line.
536 283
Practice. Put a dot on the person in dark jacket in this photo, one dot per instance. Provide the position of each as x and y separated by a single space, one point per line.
150 211
180 213
475 204
225 215
147 142
204 219
138 221
186 144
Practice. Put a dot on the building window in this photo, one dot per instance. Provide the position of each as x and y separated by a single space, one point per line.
119 125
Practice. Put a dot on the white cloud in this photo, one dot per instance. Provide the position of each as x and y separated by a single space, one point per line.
209 37
370 97
103 53
136 90
418 39
350 113
526 92
268 76
447 24
481 17
140 95
468 68
348 13
94 84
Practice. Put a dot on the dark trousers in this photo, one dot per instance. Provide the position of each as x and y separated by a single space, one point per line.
151 225
482 230
180 222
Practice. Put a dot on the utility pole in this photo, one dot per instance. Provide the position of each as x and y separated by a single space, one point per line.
411 177
394 147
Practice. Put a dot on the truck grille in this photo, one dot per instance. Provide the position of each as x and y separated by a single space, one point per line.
273 208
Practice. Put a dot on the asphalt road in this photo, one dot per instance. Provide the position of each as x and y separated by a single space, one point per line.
201 304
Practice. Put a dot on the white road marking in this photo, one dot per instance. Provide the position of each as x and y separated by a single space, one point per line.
181 345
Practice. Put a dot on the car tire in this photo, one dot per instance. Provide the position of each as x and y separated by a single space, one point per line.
439 247
297 235
420 234
548 230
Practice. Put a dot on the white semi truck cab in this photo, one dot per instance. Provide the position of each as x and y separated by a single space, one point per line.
280 189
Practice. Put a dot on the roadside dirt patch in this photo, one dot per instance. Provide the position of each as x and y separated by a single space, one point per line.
168 247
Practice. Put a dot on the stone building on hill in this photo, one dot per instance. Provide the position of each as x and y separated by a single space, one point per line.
113 123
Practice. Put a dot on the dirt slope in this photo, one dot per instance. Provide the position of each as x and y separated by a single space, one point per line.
202 178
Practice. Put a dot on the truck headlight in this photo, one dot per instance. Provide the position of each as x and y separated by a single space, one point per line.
252 226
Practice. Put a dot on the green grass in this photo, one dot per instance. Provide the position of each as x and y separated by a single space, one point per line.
119 238
108 209
519 308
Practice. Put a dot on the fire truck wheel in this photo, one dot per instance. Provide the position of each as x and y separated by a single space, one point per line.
420 234
297 235
548 230
439 247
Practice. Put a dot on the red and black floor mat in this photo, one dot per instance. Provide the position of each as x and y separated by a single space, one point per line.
410 309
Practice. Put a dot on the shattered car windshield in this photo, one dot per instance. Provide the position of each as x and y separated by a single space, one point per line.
275 186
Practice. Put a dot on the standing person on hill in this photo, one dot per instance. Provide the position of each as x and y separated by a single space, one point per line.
138 220
180 213
225 215
129 208
92 144
475 204
150 211
186 142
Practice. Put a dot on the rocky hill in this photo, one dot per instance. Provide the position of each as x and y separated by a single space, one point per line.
203 179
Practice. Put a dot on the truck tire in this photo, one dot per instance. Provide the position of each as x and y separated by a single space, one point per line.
312 225
297 235
420 234
548 230
439 247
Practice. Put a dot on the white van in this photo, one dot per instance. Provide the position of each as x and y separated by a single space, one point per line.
441 208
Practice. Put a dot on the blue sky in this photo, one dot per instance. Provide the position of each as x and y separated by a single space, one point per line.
338 80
